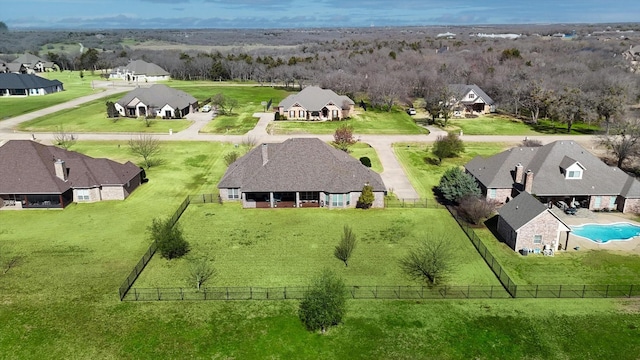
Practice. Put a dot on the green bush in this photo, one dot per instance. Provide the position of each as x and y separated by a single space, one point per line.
169 239
365 161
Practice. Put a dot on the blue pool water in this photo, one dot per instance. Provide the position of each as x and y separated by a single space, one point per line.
603 233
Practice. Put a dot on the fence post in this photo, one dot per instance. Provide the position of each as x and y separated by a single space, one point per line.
158 294
606 294
468 291
376 294
584 288
181 294
560 291
227 293
250 293
205 293
422 291
491 292
135 293
537 291
285 292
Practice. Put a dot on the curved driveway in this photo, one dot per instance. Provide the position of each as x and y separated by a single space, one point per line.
394 175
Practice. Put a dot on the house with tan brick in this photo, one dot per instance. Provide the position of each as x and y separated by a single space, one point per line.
470 100
37 176
559 171
315 103
299 172
525 224
158 100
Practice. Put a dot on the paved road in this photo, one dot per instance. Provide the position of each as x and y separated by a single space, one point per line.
394 174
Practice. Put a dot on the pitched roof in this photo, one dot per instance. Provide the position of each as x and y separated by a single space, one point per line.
299 164
546 163
522 209
157 96
314 98
27 167
460 90
25 81
141 67
28 58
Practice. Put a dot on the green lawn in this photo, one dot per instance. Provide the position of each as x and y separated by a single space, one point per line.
249 98
422 168
61 301
364 122
284 247
505 125
360 149
92 117
74 87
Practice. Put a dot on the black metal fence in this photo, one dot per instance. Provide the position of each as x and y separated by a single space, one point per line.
508 289
412 203
297 292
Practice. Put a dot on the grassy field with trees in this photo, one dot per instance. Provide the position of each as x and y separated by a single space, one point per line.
61 301
505 125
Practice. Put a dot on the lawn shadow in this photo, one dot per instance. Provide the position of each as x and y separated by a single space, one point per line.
492 225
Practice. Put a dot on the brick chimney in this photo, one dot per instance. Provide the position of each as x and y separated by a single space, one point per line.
265 154
528 183
61 170
519 173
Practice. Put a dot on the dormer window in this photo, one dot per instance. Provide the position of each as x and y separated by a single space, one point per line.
574 174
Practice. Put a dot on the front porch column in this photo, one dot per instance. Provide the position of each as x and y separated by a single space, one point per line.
271 200
298 199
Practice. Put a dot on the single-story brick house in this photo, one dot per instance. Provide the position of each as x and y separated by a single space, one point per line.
140 71
12 84
156 100
33 175
559 171
470 100
526 223
300 172
315 103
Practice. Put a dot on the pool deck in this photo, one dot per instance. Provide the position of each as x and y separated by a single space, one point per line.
584 216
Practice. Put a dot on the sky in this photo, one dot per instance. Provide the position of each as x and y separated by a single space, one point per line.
230 14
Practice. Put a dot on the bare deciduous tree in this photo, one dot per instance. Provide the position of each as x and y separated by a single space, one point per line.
432 260
146 146
64 139
201 271
624 141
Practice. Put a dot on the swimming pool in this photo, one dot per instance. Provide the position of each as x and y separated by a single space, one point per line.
603 233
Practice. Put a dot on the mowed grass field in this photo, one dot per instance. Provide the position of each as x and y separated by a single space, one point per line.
61 301
286 247
363 122
73 85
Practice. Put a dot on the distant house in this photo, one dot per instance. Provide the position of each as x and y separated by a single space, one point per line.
157 100
559 171
33 175
300 172
526 223
315 103
16 68
27 85
140 71
32 63
470 100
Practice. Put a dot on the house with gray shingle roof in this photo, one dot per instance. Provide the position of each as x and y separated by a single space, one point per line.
315 103
526 223
32 63
156 100
559 171
470 100
140 71
27 85
33 175
300 172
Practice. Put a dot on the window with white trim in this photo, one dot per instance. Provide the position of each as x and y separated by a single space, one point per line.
292 113
83 194
574 174
537 239
233 193
301 114
472 96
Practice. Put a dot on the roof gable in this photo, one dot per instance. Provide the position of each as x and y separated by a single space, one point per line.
522 209
314 98
157 96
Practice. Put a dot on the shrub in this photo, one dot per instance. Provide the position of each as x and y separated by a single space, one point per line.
430 261
169 239
455 185
324 304
343 137
365 161
531 143
366 198
476 209
231 157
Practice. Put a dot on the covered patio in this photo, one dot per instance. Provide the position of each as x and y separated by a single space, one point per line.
282 199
